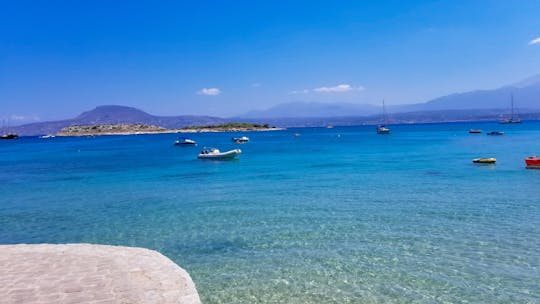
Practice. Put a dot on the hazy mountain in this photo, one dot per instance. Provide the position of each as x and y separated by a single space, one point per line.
526 98
531 81
112 115
396 118
313 109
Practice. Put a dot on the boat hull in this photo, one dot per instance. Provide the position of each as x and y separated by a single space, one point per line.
383 130
185 142
510 121
484 160
232 154
240 140
9 136
532 162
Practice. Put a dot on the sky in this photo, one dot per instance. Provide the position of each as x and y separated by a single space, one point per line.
224 58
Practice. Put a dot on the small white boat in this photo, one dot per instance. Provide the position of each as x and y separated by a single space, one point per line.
240 140
383 130
213 153
48 136
184 141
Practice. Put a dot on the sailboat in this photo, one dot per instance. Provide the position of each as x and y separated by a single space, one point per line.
8 135
513 117
382 129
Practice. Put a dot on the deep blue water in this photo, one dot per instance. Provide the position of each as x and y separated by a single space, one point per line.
337 215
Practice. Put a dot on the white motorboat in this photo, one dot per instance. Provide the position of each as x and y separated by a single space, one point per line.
213 153
383 130
240 140
48 136
184 141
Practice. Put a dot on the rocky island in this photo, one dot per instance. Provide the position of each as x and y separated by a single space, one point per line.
229 127
112 129
139 128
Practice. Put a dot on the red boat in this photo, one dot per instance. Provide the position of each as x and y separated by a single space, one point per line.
532 162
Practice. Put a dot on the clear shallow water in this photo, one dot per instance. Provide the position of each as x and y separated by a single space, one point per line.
360 218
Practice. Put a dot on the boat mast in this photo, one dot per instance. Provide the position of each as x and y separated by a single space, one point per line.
512 104
385 118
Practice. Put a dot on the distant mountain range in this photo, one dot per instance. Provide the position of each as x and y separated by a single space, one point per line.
474 105
395 118
526 96
314 109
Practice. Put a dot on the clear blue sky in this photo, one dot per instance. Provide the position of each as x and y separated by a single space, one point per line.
58 58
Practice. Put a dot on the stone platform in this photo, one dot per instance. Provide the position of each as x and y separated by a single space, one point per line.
84 273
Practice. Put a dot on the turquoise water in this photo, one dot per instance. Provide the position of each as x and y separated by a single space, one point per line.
334 216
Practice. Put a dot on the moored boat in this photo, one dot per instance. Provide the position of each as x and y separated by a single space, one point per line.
9 136
240 140
215 154
184 142
495 133
382 128
532 162
6 132
488 160
48 136
475 131
514 118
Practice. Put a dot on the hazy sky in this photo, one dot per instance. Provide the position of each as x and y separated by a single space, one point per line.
58 58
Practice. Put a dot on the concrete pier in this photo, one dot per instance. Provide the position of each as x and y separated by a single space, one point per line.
85 273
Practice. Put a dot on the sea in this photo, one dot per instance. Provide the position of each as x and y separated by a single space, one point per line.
338 215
